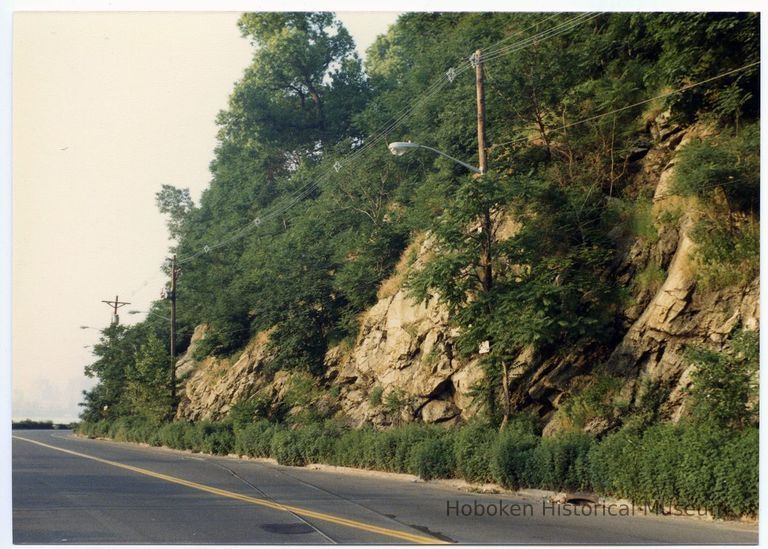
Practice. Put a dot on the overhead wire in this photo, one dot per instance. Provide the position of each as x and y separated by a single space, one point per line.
558 30
380 135
627 107
496 45
493 52
375 279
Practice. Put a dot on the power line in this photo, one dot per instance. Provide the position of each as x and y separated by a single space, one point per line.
552 32
662 96
495 45
381 134
493 53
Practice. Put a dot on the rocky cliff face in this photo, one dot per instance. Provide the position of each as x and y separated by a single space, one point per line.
402 367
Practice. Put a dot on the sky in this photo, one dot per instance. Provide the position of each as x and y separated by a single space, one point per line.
107 107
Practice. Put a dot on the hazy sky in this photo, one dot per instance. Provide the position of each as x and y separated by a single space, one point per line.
107 107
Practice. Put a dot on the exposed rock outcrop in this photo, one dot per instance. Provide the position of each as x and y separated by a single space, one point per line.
402 365
404 351
212 386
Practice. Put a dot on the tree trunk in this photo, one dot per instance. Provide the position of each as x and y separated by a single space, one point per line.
507 399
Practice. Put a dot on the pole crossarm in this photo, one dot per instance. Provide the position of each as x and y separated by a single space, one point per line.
116 304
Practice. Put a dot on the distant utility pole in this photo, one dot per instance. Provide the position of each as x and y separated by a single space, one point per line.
115 306
172 297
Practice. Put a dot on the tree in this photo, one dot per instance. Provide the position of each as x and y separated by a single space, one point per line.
548 288
304 84
148 389
697 46
177 205
115 354
724 390
462 271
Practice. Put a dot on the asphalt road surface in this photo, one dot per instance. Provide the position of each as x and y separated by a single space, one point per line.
72 490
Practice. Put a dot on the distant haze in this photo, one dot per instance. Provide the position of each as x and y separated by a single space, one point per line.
107 107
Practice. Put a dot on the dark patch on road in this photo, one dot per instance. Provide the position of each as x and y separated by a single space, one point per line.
438 535
287 528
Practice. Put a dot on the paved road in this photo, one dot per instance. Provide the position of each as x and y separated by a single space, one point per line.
73 490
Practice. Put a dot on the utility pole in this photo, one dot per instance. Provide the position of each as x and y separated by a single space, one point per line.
172 297
116 304
480 87
487 227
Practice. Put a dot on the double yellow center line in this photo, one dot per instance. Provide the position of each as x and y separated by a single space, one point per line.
406 536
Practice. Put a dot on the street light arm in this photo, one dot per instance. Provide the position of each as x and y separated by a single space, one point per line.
399 148
469 167
148 313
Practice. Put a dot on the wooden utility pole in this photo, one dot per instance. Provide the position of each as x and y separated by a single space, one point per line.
116 304
480 87
487 225
487 271
172 297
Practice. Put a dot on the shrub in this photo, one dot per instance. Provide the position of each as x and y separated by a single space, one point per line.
596 401
355 448
512 459
433 458
255 439
247 411
193 437
696 478
696 466
736 475
286 448
562 463
728 254
133 429
723 384
173 434
216 438
614 463
730 161
317 442
396 402
301 391
94 429
393 448
658 466
374 398
473 448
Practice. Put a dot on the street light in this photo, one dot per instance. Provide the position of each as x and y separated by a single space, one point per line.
399 148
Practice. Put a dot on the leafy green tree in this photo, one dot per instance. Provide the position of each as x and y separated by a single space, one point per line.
303 85
724 390
697 46
115 354
147 390
177 205
543 285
